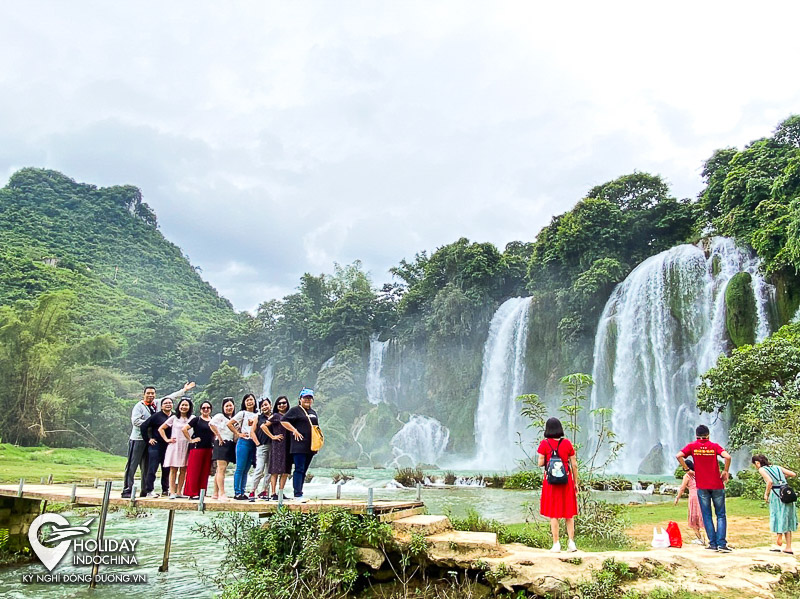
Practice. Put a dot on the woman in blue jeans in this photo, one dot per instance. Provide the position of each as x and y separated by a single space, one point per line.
242 424
298 421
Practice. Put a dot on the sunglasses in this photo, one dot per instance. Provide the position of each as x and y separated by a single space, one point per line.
206 408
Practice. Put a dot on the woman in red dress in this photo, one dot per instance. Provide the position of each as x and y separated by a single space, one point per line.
559 501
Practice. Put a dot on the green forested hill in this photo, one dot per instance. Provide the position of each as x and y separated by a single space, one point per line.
103 243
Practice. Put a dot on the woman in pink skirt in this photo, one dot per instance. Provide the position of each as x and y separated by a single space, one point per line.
177 454
695 516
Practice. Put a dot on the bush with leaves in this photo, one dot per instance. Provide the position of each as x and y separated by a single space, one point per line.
525 479
293 555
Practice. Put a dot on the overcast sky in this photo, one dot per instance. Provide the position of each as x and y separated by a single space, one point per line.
274 139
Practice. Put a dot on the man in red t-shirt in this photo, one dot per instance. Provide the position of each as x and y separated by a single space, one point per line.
710 484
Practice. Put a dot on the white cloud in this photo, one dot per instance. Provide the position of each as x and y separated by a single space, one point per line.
274 138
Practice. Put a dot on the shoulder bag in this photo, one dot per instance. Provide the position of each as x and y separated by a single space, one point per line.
317 438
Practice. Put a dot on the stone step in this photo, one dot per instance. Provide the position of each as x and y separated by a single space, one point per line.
421 524
400 514
462 542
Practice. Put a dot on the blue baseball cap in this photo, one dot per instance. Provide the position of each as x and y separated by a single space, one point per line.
306 391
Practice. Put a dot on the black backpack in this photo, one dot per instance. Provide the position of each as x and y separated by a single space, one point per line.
556 471
784 492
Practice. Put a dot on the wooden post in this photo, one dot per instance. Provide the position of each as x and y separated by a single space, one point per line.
95 483
21 484
201 505
41 480
50 480
164 567
369 501
101 528
338 491
133 495
280 498
74 492
419 491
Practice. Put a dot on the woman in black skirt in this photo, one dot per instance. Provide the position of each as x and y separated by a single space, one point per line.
224 451
280 460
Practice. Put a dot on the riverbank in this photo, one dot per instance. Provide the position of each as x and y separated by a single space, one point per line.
66 465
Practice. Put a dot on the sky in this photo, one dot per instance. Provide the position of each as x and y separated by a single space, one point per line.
277 138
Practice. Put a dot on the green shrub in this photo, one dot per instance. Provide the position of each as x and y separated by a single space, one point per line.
734 488
601 520
525 479
752 484
474 522
409 477
319 550
497 481
616 483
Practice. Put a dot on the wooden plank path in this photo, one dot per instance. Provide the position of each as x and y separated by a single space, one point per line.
90 496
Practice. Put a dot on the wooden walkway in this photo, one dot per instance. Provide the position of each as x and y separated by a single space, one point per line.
90 496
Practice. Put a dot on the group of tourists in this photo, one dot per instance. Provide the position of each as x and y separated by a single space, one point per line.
703 479
168 434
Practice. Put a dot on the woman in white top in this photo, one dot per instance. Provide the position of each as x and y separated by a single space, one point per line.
224 446
177 454
241 425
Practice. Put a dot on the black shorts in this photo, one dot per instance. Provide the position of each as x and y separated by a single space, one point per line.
226 451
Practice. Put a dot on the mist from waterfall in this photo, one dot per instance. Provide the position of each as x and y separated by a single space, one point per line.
497 418
422 440
376 390
660 330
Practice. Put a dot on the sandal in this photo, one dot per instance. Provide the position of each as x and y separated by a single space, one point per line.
789 552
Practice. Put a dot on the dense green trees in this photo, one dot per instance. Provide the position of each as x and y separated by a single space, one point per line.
48 390
754 195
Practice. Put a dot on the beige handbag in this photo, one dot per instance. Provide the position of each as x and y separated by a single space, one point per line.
317 438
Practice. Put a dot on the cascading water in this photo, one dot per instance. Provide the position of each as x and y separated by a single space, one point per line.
268 374
422 440
327 363
497 419
376 392
660 330
246 369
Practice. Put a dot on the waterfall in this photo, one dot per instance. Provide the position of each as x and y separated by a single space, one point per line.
663 327
375 383
246 369
497 419
268 374
422 440
327 363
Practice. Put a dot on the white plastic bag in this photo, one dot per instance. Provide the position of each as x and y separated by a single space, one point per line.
660 539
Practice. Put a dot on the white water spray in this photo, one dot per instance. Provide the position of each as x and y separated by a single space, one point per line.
376 389
660 330
497 419
422 440
268 374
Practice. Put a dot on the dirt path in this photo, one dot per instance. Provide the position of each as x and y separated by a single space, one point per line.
743 531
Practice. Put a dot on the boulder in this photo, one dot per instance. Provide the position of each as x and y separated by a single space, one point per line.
654 462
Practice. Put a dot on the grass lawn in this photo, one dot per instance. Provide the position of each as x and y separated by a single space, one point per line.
661 513
748 525
66 465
